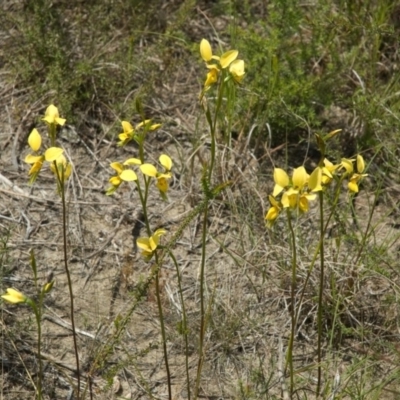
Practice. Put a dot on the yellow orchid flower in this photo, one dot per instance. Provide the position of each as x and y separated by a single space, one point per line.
273 212
347 164
297 191
37 163
52 153
149 170
123 175
35 142
327 171
237 70
315 180
281 179
148 245
299 178
166 162
227 59
360 164
129 132
297 200
14 296
212 77
52 116
132 161
162 177
357 177
205 50
62 168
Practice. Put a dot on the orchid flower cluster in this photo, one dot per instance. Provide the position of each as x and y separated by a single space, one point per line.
138 133
127 171
217 65
54 155
124 173
296 192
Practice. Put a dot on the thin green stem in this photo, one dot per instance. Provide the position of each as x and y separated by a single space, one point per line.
289 357
213 128
321 287
184 328
318 248
164 338
37 312
52 134
143 200
60 178
202 310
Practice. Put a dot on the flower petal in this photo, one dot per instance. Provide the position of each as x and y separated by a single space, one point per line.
60 121
300 177
314 183
352 186
127 127
360 164
205 50
132 161
347 164
116 166
166 162
115 180
149 170
162 185
30 159
52 153
52 116
154 127
35 140
228 57
14 296
237 70
128 175
212 77
281 179
144 244
146 123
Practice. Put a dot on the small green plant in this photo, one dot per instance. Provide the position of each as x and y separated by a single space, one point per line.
16 297
295 194
61 169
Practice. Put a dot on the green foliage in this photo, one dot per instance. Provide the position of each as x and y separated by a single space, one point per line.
302 59
69 51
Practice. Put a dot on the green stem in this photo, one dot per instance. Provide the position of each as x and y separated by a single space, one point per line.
185 329
289 358
213 128
321 288
164 338
143 200
317 250
37 313
61 179
202 311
